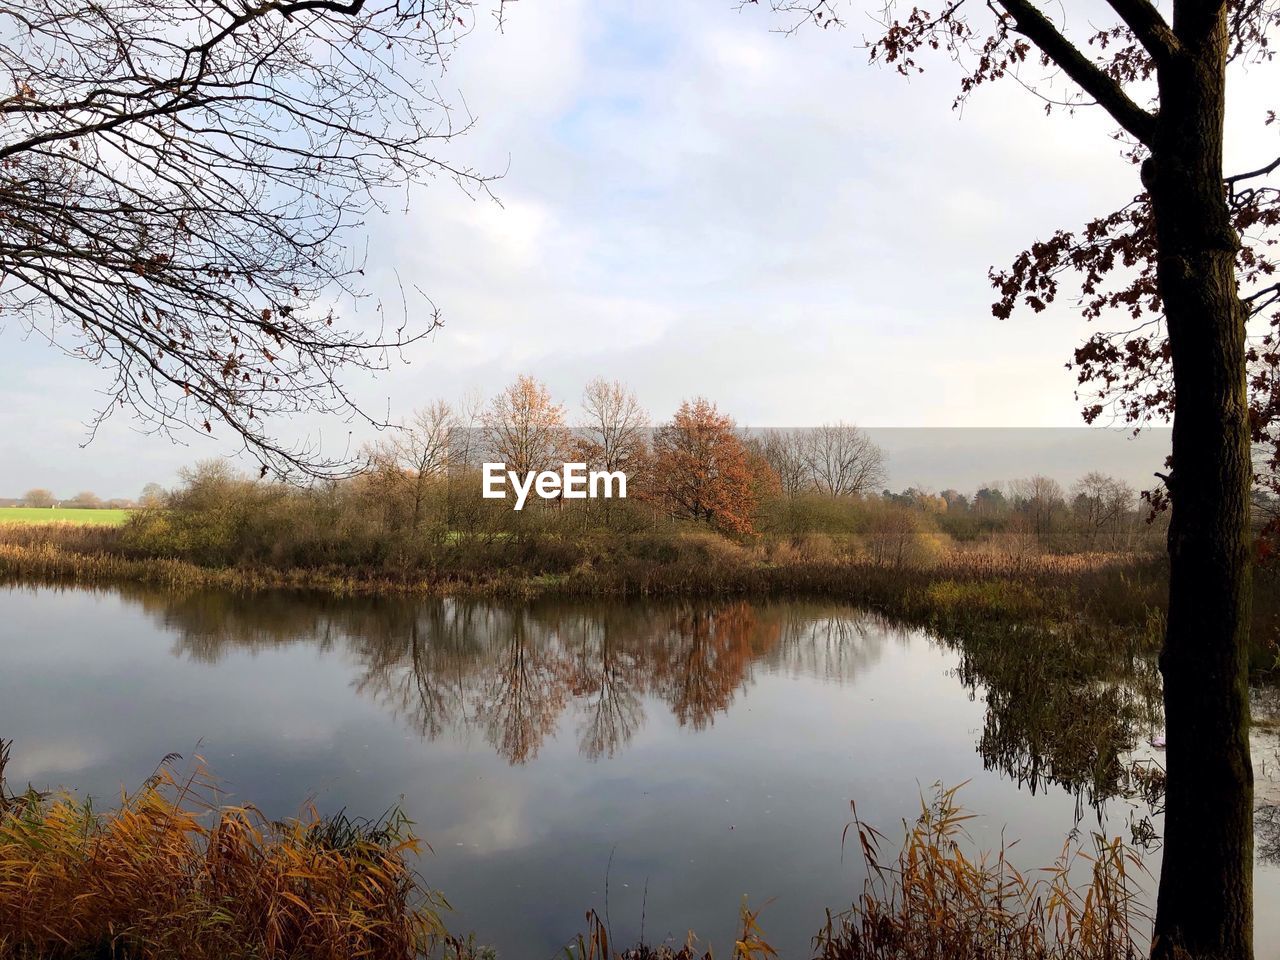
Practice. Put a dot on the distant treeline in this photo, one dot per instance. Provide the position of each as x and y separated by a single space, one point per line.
782 495
416 493
41 498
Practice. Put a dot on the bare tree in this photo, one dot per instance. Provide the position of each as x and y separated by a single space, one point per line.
466 445
842 460
615 427
179 183
1041 499
417 453
1102 504
784 451
39 497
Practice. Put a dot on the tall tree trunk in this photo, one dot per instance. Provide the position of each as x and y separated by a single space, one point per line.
1205 905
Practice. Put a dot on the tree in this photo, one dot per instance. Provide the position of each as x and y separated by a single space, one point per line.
152 495
615 427
39 497
525 428
467 439
86 500
179 183
989 501
1101 504
1171 262
842 460
1041 500
417 452
784 451
703 470
836 459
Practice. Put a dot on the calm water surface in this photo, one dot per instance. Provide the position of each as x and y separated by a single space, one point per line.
692 753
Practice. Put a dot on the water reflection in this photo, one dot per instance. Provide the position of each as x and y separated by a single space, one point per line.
700 751
1062 708
510 671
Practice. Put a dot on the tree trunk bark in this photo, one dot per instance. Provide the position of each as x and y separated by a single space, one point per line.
1205 905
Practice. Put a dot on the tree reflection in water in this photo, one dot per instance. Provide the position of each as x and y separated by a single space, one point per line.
1062 707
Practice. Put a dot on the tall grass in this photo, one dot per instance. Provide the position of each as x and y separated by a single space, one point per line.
595 943
937 900
170 873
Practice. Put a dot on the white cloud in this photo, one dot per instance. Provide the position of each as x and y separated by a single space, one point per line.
696 204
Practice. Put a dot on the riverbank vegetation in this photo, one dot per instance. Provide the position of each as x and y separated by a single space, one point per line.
709 508
997 557
170 872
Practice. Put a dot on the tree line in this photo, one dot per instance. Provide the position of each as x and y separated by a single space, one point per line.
807 494
701 466
43 498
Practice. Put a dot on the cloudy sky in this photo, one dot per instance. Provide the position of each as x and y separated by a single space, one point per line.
693 203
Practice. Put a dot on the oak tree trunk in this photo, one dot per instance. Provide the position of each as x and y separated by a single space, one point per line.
1205 905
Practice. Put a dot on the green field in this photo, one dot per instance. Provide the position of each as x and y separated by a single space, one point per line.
62 515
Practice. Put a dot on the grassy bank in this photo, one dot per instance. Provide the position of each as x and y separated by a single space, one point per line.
1121 587
105 517
954 589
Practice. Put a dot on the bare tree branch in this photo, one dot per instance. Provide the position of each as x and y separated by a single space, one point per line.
179 187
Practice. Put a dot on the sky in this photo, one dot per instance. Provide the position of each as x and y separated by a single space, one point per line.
692 202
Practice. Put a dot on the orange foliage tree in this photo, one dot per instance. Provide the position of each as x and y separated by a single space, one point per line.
525 428
703 470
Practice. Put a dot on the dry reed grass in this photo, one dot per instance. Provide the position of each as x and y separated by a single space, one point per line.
936 900
169 873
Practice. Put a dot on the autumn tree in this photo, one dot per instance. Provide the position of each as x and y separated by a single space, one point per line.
525 428
181 185
39 497
704 471
1187 266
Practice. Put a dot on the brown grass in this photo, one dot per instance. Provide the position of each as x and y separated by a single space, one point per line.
936 900
171 874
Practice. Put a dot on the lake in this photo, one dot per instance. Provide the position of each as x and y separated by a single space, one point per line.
656 760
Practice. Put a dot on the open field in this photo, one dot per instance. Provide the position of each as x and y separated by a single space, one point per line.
111 518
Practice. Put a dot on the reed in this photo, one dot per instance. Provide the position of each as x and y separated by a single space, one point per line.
171 873
938 900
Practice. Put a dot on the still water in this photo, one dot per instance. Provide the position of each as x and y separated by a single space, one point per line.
687 755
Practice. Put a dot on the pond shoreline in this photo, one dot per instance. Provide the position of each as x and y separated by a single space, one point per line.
1032 584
